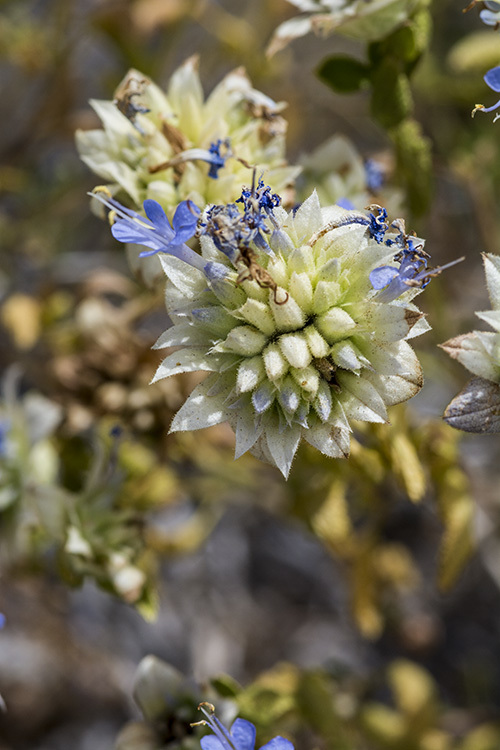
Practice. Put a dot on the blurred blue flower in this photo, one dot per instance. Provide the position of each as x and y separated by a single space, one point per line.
4 431
2 620
155 231
374 175
492 79
240 737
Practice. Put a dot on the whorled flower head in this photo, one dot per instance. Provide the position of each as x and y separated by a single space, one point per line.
301 318
175 145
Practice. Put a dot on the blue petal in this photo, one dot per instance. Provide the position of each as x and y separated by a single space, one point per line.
489 18
243 733
210 742
382 276
157 216
2 620
278 743
185 221
492 78
492 5
124 231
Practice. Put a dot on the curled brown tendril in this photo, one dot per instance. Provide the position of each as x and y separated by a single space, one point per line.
255 272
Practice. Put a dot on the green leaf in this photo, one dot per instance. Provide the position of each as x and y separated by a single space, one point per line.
406 43
316 702
343 74
226 686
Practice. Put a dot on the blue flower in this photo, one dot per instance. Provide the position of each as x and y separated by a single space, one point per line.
374 175
492 79
2 620
412 272
241 736
155 231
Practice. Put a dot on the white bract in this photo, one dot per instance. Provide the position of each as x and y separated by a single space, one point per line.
296 340
479 351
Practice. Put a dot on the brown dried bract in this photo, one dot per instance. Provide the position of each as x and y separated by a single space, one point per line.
132 86
327 370
179 143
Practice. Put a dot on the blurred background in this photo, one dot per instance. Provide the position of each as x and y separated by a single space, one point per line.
355 606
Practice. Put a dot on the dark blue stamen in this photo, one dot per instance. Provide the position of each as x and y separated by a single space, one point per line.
378 225
230 229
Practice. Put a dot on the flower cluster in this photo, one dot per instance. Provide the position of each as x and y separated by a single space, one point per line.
301 319
176 146
241 736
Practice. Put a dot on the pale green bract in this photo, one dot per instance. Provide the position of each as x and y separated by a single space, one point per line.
303 358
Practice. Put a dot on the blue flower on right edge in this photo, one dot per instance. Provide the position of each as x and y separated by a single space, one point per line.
492 79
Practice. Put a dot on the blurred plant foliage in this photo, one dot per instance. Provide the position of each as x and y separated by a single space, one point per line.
353 505
386 72
110 495
321 708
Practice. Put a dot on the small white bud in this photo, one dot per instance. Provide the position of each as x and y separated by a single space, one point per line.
245 340
274 362
288 316
335 324
294 347
259 315
317 344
